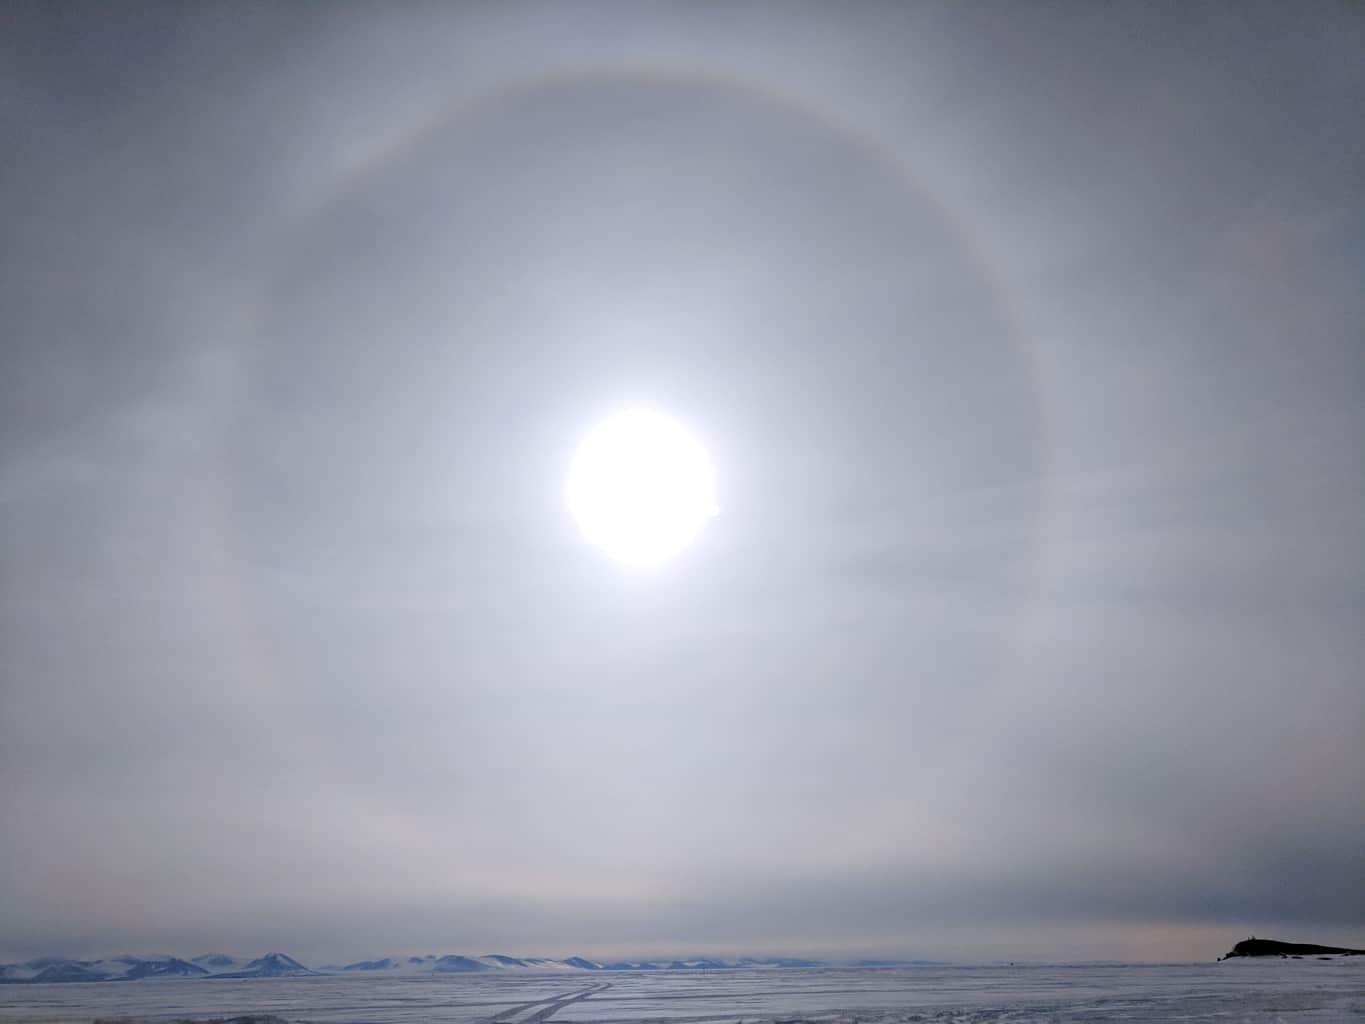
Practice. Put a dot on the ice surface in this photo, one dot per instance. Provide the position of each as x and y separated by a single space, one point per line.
1279 991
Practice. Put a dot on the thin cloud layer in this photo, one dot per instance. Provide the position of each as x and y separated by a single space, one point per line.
1026 347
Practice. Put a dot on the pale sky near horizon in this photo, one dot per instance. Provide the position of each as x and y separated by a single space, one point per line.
1027 346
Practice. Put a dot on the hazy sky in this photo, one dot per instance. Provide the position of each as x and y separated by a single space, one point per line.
1026 341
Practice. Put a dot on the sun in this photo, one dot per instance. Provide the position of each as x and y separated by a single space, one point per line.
641 487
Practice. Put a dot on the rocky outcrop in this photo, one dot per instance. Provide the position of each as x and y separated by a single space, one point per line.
1271 947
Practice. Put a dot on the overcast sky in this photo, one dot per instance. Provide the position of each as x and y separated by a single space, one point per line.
1026 341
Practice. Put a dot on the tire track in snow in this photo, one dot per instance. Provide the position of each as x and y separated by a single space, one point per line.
552 1008
547 1007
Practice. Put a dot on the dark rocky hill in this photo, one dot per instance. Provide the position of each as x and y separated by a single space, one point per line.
1272 947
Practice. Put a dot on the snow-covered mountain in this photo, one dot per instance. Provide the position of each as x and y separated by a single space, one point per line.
50 970
171 967
454 964
272 965
582 964
217 961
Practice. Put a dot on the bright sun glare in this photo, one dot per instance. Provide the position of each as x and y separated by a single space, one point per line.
641 487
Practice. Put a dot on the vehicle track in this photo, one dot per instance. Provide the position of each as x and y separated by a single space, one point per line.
547 1007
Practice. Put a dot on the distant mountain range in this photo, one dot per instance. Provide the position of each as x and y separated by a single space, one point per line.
47 970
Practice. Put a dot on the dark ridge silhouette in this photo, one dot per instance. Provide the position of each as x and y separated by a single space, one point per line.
1272 947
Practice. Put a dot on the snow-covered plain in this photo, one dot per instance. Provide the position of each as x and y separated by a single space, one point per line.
1259 990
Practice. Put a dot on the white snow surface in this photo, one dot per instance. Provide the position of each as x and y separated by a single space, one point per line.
1256 990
